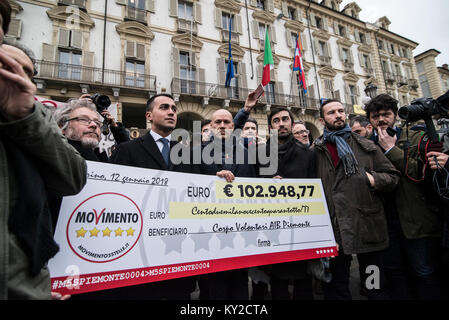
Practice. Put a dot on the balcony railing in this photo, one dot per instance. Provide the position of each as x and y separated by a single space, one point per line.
136 14
76 73
401 80
389 77
325 60
212 90
184 25
412 83
234 36
348 66
369 70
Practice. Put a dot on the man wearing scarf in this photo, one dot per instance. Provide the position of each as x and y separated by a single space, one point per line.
354 171
295 161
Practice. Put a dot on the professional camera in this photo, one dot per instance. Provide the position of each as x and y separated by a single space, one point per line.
425 108
102 102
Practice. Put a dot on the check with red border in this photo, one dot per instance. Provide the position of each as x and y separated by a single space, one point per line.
130 226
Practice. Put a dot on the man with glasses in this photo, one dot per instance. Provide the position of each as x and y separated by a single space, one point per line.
301 133
80 123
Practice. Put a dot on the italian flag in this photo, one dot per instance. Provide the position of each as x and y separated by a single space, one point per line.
268 63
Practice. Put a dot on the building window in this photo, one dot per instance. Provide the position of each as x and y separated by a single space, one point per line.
185 11
345 55
318 22
233 90
362 38
135 74
69 65
322 48
187 73
328 88
225 21
291 13
270 93
341 30
136 10
425 86
392 48
353 94
380 43
260 4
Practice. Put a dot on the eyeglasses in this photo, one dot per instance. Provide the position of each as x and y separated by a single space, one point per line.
302 132
86 121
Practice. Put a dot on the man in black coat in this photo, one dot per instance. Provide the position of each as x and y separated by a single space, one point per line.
226 148
152 151
295 161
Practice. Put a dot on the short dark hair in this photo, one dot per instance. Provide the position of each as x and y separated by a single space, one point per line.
253 121
325 103
364 121
205 122
275 111
5 12
151 100
381 102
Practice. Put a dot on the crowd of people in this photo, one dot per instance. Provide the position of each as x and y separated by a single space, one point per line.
378 188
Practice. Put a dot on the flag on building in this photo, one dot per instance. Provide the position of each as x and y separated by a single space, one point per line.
268 62
230 71
297 64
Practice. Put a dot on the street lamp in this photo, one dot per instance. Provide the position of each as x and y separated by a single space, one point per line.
371 90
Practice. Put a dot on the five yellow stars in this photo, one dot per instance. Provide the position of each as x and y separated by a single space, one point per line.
106 232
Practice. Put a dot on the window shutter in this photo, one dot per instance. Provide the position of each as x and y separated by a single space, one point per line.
15 28
218 18
361 60
304 43
298 15
48 55
130 49
173 8
192 56
197 13
312 20
88 64
273 38
239 25
270 5
288 35
64 37
311 91
284 8
328 50
221 67
140 51
336 30
202 81
176 87
150 5
255 30
76 39
243 76
325 24
337 95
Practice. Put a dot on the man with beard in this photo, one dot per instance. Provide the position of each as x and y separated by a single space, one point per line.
295 160
80 123
414 217
353 171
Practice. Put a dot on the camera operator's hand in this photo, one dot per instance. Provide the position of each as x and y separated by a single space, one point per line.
385 140
109 119
440 157
87 96
16 89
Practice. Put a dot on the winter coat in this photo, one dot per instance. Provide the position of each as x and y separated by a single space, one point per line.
356 208
35 158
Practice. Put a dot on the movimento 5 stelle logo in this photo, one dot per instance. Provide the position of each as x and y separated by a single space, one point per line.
104 227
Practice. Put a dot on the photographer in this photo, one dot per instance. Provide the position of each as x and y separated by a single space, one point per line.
414 220
81 123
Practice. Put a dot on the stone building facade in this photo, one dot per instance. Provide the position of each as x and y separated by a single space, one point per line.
132 49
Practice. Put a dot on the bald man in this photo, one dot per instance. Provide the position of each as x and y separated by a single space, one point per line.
223 148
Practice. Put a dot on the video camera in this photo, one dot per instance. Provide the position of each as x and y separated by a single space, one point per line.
424 109
102 103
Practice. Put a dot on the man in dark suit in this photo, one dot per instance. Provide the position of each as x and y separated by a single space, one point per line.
152 151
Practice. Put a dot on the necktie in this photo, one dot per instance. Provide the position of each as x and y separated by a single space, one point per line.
165 150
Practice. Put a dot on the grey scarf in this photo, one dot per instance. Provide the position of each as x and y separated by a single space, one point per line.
344 150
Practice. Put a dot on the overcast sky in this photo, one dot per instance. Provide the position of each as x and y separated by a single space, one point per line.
423 21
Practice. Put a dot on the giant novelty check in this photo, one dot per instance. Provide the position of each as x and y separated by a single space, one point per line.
132 225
